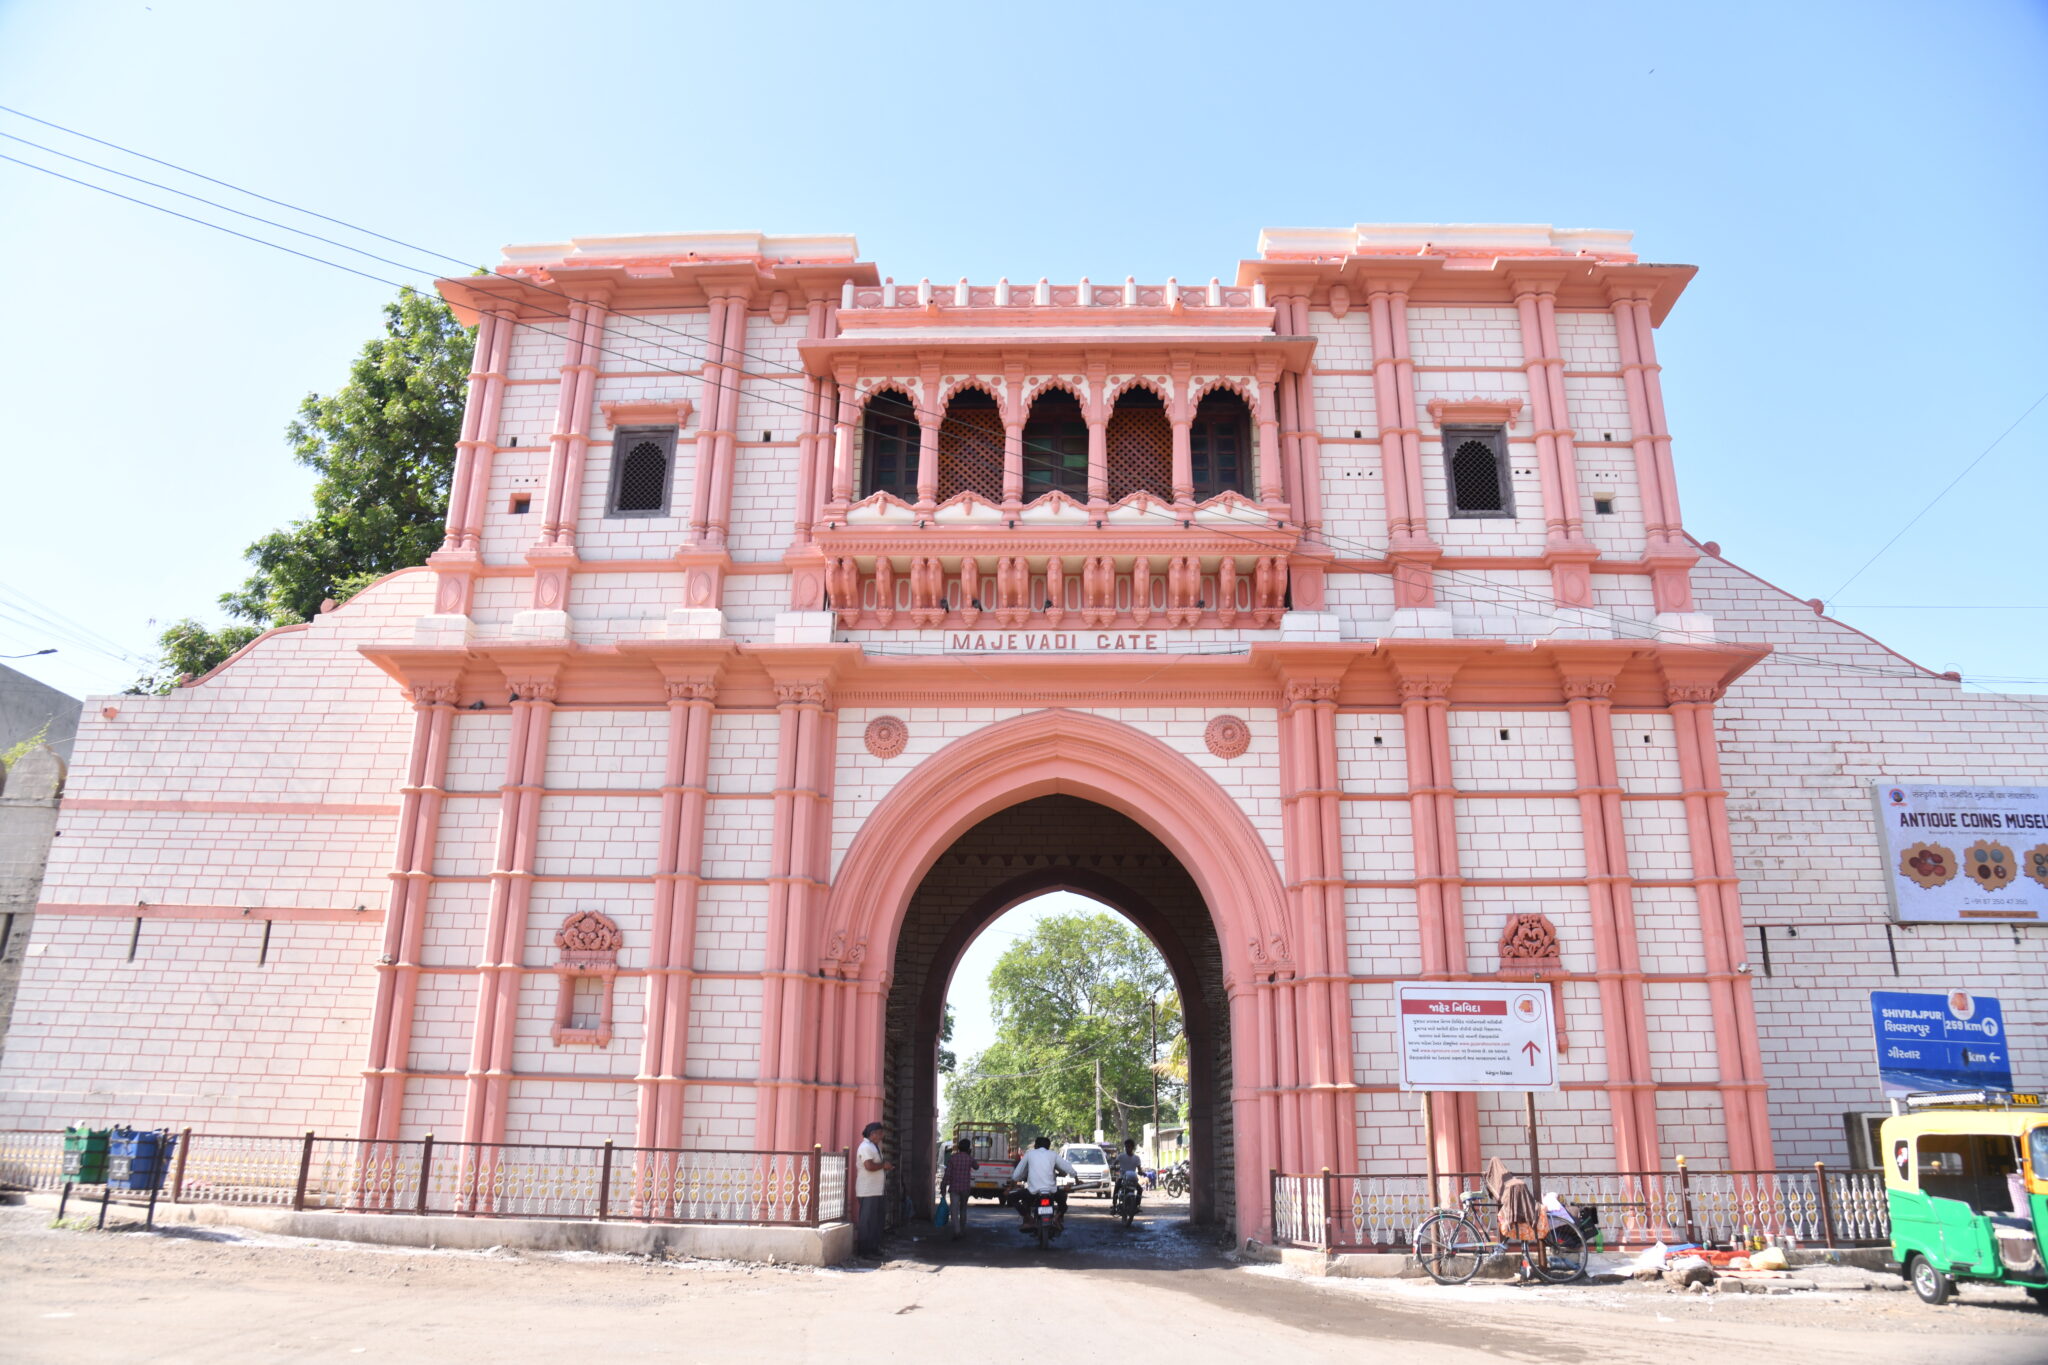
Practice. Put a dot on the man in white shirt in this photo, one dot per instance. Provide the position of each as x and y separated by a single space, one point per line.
1038 1171
870 1183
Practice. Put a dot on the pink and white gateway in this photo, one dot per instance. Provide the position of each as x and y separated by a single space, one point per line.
659 805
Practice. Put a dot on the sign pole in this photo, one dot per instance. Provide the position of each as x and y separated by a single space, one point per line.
1429 1149
1535 1160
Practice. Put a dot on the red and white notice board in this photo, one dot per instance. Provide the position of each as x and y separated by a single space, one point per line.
1462 1035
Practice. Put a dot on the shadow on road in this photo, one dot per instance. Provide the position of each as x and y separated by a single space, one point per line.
1159 1238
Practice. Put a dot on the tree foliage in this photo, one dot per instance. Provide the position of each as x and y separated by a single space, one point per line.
1080 989
383 446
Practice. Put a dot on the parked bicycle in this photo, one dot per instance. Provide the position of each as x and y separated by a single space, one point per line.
1451 1244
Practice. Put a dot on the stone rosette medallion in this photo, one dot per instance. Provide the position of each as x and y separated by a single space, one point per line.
1228 737
886 736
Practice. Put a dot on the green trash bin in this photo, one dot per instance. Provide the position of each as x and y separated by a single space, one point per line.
85 1155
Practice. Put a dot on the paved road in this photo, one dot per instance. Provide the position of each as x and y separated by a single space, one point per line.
1158 1291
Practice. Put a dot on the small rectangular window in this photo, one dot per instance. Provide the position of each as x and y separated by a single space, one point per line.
522 503
1476 472
643 459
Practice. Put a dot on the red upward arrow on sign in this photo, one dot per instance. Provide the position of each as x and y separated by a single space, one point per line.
1532 1050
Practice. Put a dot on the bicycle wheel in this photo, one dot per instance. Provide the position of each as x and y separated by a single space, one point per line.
1563 1257
1449 1246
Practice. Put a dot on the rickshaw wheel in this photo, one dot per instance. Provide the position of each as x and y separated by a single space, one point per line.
2039 1296
1930 1284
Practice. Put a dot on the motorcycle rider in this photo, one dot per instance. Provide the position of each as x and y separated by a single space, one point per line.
1038 1171
1129 1167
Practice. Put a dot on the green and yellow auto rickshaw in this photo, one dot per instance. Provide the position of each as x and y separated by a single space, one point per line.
1966 1179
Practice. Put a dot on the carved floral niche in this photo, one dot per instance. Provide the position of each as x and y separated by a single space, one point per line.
1528 948
586 965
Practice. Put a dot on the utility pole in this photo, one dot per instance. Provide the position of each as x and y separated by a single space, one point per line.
1155 1080
1098 1099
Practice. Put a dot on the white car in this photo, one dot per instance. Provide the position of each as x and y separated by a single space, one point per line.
1091 1167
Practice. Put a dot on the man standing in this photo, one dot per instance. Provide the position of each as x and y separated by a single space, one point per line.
870 1181
958 1183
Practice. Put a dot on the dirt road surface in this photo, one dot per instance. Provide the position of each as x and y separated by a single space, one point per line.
1154 1291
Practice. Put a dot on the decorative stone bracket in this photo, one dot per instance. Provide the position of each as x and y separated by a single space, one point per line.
587 947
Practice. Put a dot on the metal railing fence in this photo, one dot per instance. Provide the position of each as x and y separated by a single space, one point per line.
1816 1205
477 1179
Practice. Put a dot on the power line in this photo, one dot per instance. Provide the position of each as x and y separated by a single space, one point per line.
1498 594
1946 490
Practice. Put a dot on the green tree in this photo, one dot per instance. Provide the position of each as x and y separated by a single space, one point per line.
383 446
1080 990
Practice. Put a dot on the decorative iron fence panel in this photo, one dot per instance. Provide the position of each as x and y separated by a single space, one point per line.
1815 1206
31 1161
489 1180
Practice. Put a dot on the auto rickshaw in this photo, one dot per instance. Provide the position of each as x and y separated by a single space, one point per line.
1966 1180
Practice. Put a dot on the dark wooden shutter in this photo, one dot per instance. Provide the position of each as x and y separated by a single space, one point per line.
642 461
1476 472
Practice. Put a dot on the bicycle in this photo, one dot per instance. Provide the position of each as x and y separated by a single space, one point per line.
1451 1245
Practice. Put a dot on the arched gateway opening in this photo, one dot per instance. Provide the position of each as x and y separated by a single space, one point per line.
1058 843
1076 792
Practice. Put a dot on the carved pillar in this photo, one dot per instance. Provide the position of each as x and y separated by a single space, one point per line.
419 816
1315 862
671 949
1180 416
1432 804
709 385
810 437
1743 1090
724 456
475 444
782 1111
929 416
1631 1099
491 1053
1014 416
842 442
1671 558
1410 545
1272 486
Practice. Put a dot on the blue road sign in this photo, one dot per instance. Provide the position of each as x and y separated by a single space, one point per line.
1952 1041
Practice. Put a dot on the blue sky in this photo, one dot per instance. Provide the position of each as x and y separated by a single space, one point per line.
1860 184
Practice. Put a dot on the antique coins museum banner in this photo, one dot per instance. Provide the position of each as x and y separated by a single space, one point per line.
1965 853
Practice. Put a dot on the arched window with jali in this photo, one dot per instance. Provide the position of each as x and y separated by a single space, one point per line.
1219 444
971 447
1056 447
888 446
1140 447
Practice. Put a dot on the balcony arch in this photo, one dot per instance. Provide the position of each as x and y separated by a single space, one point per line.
971 446
1056 446
889 439
1140 446
1220 444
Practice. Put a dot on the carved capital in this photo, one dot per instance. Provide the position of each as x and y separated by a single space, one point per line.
1425 689
693 689
800 694
1300 691
432 694
1588 688
1691 692
533 689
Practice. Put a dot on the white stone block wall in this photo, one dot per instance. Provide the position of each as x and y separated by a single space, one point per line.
1802 738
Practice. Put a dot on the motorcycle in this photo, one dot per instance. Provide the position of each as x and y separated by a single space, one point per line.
1041 1216
1175 1178
1126 1199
